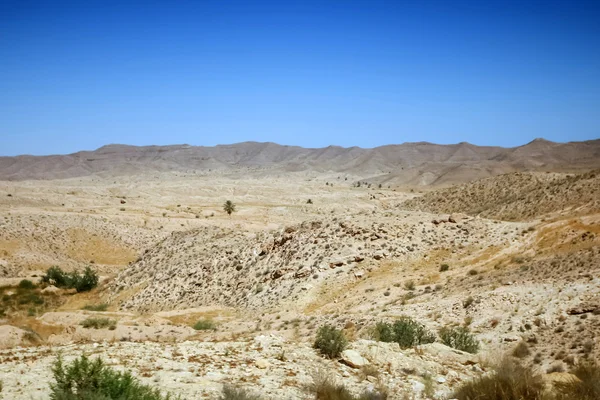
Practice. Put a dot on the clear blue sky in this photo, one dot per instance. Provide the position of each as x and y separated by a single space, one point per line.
78 75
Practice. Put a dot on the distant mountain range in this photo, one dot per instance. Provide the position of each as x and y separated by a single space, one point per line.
415 164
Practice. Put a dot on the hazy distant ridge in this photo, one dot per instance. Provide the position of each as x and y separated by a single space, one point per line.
409 163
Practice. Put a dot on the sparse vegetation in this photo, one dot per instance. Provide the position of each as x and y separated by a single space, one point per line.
86 379
405 331
509 381
330 341
96 307
325 388
99 323
234 393
585 387
205 325
468 302
521 350
459 338
444 267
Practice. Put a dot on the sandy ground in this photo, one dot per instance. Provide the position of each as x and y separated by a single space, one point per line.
507 281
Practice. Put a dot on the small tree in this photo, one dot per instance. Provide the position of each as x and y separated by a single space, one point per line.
229 207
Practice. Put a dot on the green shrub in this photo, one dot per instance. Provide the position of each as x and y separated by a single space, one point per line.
586 388
99 323
26 284
204 325
444 267
84 379
405 331
56 276
80 282
233 393
384 332
85 282
330 341
96 307
509 381
459 338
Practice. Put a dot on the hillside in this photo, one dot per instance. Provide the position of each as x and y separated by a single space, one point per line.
406 164
213 266
516 196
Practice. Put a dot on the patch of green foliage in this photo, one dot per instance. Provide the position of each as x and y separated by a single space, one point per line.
205 325
71 280
26 284
405 331
330 341
459 338
86 379
99 323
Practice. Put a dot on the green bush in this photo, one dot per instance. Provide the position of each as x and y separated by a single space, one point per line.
73 280
84 379
56 276
405 331
444 267
330 341
204 325
509 381
99 323
26 284
459 338
85 282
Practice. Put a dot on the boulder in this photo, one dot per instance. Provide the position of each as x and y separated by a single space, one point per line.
262 363
11 336
359 273
448 354
353 359
51 289
583 308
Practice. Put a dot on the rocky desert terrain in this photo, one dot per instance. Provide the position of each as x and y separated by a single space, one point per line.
504 243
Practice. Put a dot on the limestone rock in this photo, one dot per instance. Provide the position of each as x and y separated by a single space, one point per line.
354 359
262 363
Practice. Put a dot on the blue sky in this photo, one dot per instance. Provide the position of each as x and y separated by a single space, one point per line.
78 75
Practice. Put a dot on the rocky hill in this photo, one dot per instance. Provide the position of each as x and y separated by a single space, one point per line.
516 196
216 266
407 164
